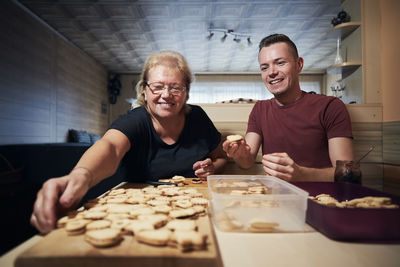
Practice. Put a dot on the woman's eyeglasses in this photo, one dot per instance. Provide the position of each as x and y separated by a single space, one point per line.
157 88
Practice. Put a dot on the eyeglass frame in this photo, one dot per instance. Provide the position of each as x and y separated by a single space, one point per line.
177 92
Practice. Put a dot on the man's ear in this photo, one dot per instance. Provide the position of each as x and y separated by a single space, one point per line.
300 63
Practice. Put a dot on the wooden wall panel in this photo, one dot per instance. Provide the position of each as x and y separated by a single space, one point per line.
372 175
391 142
48 86
366 135
391 179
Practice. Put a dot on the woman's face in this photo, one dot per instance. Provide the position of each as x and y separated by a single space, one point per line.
165 104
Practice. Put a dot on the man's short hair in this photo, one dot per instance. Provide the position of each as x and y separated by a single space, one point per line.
278 38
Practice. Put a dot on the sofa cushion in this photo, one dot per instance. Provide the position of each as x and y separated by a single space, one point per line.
94 138
76 136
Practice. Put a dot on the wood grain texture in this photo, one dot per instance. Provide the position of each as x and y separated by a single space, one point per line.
391 142
59 249
391 179
46 83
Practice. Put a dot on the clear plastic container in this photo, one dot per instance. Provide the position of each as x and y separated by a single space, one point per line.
244 203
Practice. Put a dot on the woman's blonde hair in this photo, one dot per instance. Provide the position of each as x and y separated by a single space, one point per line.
170 59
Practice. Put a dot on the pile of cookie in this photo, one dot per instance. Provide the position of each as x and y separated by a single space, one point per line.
241 188
181 181
364 202
161 216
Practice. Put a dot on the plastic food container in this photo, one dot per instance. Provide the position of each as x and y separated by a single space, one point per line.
352 224
244 203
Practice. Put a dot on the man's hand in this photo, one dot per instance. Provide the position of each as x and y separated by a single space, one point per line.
204 168
280 165
236 150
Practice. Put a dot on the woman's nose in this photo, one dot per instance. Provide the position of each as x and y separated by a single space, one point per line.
165 92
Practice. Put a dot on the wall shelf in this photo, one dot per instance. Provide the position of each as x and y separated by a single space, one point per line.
345 68
345 28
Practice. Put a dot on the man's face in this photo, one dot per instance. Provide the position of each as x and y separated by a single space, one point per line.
279 68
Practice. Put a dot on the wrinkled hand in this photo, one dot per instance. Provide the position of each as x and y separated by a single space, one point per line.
236 150
55 198
204 168
280 165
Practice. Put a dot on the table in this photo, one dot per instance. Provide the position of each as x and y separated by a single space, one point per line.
306 249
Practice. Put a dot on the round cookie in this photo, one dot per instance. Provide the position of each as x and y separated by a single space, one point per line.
234 138
104 237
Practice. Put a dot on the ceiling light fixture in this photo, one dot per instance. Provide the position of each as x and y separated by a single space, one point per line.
224 37
227 32
236 39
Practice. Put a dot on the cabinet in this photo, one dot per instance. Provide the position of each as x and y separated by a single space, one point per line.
349 74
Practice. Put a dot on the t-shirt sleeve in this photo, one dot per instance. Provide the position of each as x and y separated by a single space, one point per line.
214 136
131 124
337 119
253 125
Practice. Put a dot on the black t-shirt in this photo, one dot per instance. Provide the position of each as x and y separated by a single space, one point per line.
150 158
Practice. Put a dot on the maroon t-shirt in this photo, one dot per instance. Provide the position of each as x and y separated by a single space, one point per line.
301 129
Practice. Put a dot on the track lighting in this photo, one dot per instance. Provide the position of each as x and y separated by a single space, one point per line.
227 32
249 41
236 39
224 37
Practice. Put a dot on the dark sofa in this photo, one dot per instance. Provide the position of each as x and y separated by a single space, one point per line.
38 163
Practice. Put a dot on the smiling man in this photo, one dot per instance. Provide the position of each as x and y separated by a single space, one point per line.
302 135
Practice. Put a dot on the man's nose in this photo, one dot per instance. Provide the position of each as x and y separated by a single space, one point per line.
272 71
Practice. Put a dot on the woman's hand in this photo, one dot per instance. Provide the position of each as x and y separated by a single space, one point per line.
204 168
56 197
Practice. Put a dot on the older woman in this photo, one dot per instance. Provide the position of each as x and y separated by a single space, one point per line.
162 137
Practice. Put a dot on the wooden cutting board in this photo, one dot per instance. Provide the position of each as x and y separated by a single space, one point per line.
57 249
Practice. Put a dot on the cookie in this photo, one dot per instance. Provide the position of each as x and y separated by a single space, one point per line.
76 227
156 220
97 225
119 208
182 213
63 221
163 209
196 181
103 237
136 226
188 240
261 225
95 215
234 138
200 201
134 213
182 225
154 237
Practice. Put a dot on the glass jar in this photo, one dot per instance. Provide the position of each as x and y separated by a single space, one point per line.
347 171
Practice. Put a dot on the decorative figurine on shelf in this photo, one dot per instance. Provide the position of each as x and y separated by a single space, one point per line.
341 18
